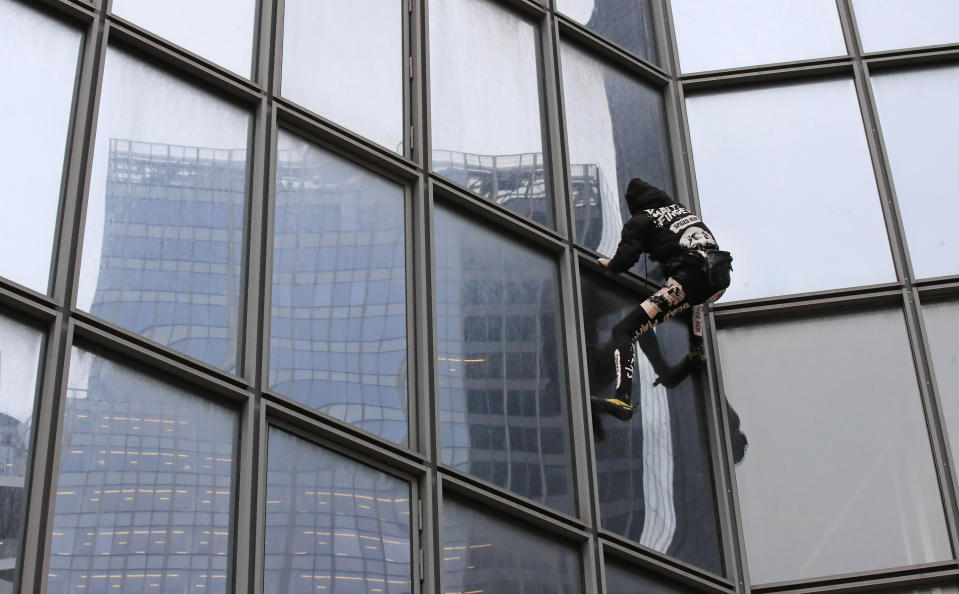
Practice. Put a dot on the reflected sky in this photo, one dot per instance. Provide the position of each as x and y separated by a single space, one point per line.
786 182
226 34
920 142
717 34
895 24
343 60
41 55
942 330
839 477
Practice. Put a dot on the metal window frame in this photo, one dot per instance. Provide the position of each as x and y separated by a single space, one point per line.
259 408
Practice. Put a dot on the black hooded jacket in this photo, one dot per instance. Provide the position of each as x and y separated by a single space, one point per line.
659 226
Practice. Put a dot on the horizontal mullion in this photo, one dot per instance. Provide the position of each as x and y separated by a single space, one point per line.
179 60
490 496
530 8
27 301
661 564
76 10
776 73
944 288
589 259
913 56
875 295
447 192
331 432
113 338
328 134
917 575
576 33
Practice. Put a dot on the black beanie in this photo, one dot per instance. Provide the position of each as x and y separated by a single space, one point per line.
639 194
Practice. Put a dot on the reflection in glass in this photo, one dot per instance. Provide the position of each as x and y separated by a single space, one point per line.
333 524
896 24
713 35
483 552
654 474
19 363
144 489
502 395
616 128
629 23
163 246
225 38
344 61
338 319
839 477
487 124
777 166
927 590
942 330
40 54
622 579
917 111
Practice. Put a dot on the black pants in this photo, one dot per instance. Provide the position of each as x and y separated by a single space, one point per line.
685 288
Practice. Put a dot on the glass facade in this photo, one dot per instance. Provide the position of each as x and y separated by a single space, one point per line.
305 297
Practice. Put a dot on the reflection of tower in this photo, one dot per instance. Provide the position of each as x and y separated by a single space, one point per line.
13 458
170 265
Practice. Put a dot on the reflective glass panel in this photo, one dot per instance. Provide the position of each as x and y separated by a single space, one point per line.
344 61
839 475
942 331
717 34
502 394
928 590
485 103
144 489
616 128
333 524
40 54
895 24
787 185
917 112
20 347
338 318
163 247
628 23
483 552
226 34
622 579
654 473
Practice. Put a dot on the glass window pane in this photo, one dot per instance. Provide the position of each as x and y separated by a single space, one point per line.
654 474
163 246
487 125
623 579
41 55
333 524
839 476
20 347
917 111
629 23
144 491
344 61
896 24
942 329
607 112
713 35
338 319
502 394
776 166
218 30
483 552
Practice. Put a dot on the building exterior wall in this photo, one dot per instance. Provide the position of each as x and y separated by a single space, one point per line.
301 296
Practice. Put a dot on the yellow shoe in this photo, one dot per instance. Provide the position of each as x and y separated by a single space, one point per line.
620 409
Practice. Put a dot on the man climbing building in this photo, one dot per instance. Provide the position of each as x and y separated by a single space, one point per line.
697 272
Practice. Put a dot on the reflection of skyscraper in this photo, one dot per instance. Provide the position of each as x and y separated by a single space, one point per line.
13 458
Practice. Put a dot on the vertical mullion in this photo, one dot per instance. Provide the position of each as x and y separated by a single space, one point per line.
724 476
553 160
